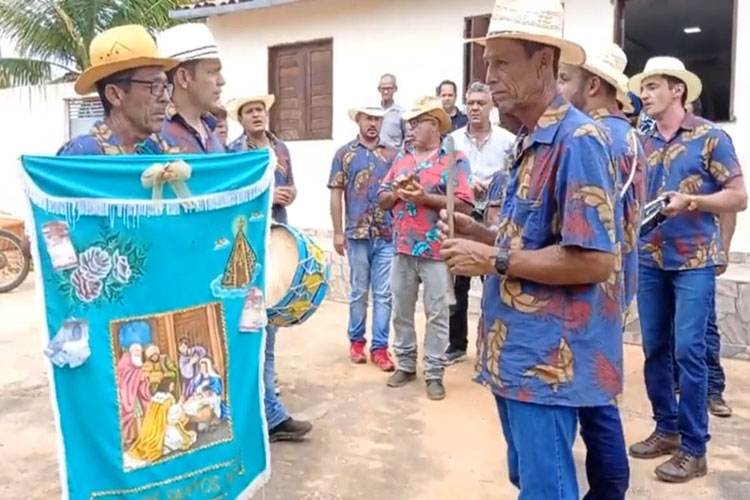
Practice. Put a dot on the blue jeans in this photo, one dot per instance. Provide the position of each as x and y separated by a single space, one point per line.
683 299
275 412
607 466
540 449
370 266
716 377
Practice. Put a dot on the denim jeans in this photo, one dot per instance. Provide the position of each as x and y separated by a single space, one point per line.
540 449
370 266
716 377
683 299
406 274
275 412
607 466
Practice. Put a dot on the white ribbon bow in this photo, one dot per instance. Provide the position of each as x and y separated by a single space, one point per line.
174 173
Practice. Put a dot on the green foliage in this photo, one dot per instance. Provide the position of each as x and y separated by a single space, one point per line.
54 35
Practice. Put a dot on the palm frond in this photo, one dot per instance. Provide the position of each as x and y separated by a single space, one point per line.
153 14
16 72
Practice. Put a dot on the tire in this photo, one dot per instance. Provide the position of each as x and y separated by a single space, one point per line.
11 242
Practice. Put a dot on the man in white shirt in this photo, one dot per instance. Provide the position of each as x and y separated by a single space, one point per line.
485 145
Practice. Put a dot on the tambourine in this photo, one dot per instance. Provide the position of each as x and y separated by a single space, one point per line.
653 216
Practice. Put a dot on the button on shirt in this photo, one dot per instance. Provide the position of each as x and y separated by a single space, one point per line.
415 226
392 128
359 171
486 158
282 176
178 133
700 159
459 120
102 141
628 155
555 345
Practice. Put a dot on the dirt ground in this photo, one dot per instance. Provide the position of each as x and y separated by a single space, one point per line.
369 442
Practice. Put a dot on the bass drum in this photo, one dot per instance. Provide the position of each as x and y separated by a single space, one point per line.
296 279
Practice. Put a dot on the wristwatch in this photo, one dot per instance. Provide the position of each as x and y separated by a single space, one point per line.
502 260
693 203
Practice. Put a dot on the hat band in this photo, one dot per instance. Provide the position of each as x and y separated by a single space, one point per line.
544 19
196 53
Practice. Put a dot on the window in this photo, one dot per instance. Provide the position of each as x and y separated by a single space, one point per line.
301 77
699 32
475 70
82 114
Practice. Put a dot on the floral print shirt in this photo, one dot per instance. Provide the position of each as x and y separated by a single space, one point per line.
102 141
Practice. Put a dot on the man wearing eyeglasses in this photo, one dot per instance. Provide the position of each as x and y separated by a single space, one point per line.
392 131
197 82
134 91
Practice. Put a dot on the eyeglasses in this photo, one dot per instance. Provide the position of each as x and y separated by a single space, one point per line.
416 121
156 88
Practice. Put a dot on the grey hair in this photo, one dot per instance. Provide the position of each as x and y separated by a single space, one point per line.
479 87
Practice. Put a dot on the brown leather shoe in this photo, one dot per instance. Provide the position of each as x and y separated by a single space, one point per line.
718 407
656 445
681 468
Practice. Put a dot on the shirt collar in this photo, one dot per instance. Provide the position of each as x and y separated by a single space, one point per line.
548 124
600 113
172 114
271 138
689 122
357 142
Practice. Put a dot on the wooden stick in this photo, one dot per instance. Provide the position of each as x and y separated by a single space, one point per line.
450 208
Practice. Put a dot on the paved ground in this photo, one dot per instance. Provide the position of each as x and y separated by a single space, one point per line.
370 442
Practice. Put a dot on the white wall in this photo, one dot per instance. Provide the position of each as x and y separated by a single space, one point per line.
33 122
421 41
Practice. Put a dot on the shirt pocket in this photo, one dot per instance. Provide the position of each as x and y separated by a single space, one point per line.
527 217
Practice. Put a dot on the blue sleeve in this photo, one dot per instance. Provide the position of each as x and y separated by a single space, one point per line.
81 145
338 176
585 191
724 164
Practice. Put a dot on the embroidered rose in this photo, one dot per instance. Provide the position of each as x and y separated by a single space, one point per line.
94 264
86 290
121 271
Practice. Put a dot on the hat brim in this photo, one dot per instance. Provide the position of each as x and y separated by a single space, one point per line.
235 105
439 114
620 87
354 112
570 52
86 83
691 80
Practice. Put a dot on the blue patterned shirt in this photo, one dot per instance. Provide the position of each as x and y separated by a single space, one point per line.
359 171
700 159
102 141
178 133
555 345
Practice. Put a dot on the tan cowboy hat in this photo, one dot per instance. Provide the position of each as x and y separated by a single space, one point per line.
235 105
433 107
187 42
538 21
670 66
119 49
608 61
374 111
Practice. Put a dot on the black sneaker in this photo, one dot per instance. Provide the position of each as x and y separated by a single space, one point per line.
435 390
290 430
454 356
400 378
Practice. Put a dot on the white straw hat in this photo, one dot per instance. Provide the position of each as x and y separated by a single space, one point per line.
608 61
187 42
375 111
670 66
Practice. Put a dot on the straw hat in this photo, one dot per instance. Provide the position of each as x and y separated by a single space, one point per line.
235 105
433 107
119 49
374 111
538 21
187 42
608 62
670 66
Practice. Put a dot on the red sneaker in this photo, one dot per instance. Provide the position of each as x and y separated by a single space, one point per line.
382 360
357 353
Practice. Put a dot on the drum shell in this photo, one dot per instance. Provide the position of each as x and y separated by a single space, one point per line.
309 286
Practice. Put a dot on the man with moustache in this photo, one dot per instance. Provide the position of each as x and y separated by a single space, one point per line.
134 92
693 164
599 88
485 146
548 343
197 83
357 170
252 113
415 190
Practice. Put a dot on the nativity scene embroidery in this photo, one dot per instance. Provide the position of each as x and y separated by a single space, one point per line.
171 375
